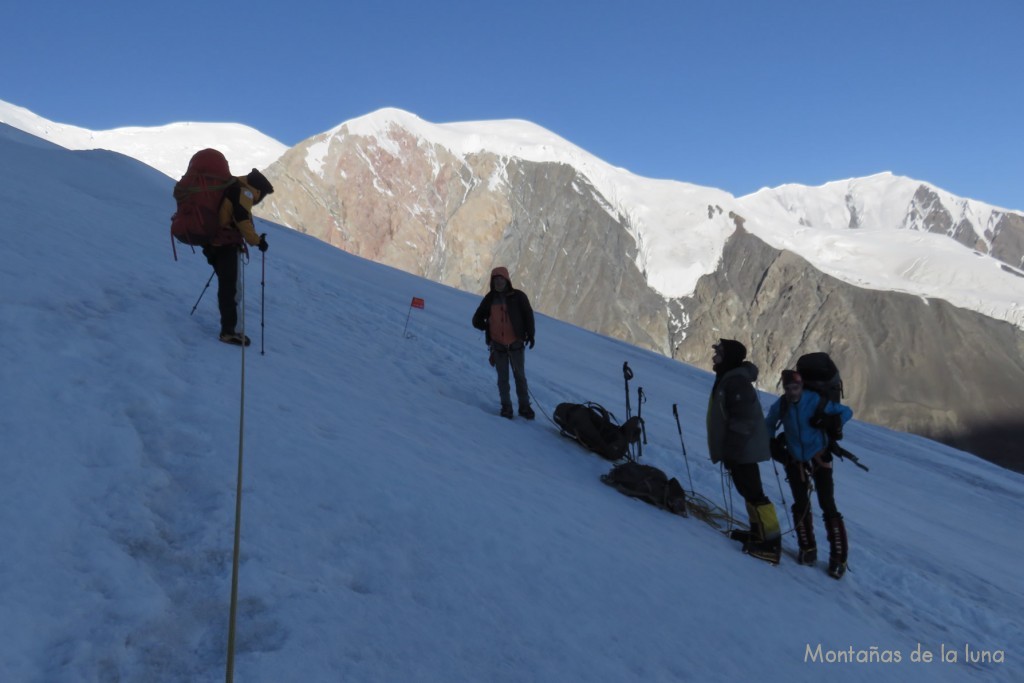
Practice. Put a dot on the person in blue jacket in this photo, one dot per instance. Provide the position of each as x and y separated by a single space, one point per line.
807 457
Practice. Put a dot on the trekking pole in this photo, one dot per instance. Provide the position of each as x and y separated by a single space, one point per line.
785 505
263 304
726 498
203 292
628 374
641 399
675 411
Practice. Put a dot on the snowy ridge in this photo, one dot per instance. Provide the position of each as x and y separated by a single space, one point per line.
863 231
920 263
673 258
878 201
165 148
380 544
682 228
837 202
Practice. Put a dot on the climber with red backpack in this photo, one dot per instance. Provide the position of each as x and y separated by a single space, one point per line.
215 213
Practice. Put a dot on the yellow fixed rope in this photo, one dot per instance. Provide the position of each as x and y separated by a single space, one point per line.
230 677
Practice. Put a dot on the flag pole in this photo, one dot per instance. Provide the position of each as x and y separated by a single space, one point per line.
409 315
415 303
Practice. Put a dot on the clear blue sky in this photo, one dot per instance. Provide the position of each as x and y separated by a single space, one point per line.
736 95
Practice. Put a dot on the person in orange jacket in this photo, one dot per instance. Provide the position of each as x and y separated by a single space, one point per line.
506 317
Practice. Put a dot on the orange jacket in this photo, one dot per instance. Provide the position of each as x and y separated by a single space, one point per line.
236 214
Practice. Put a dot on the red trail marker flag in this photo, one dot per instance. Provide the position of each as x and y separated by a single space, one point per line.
416 303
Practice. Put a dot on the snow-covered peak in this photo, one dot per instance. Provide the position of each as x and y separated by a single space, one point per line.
166 148
509 137
876 201
681 229
655 210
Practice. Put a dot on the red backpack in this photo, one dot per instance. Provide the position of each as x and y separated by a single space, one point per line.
199 194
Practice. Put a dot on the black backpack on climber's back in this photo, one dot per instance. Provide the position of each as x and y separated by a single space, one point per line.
821 375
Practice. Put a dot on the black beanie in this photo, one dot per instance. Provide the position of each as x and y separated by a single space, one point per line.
791 377
733 353
259 181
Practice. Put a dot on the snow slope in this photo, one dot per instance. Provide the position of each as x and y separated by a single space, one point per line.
165 148
394 528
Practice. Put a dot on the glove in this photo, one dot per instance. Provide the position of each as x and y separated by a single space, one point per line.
263 242
529 342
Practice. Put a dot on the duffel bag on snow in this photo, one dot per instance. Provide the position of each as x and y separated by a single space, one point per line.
649 484
595 428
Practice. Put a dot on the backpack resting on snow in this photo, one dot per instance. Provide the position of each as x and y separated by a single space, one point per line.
595 428
649 484
199 194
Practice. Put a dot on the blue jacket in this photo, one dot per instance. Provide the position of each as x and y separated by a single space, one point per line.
803 440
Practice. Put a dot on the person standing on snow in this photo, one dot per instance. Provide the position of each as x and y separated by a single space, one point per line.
808 458
506 317
737 438
225 249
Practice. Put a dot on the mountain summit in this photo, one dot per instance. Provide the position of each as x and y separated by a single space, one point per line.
165 148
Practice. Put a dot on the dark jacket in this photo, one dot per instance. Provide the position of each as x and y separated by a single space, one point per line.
520 312
735 421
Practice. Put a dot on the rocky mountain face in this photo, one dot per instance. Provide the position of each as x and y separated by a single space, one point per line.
452 219
1003 237
922 366
917 365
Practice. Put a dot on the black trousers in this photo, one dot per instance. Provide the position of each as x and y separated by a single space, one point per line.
818 470
747 479
224 260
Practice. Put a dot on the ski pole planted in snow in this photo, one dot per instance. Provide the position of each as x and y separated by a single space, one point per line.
203 292
641 399
675 411
628 375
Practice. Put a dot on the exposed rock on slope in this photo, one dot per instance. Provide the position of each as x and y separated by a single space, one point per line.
916 365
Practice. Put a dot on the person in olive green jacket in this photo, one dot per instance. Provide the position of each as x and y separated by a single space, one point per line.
223 253
738 438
